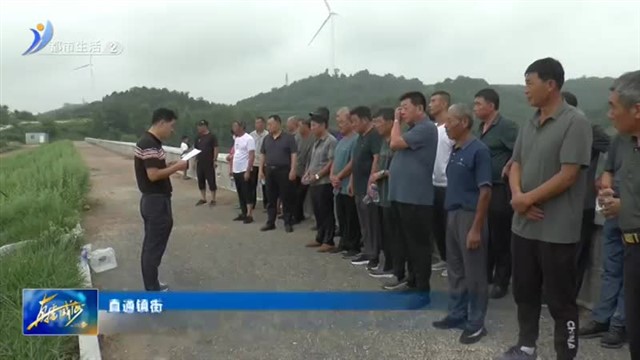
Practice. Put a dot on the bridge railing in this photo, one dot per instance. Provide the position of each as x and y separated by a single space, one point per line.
589 293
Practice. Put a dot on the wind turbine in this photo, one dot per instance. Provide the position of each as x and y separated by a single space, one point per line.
333 36
90 66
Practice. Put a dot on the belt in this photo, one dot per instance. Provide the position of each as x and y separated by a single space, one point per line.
631 238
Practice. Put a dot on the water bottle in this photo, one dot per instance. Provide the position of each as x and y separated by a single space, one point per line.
375 196
103 259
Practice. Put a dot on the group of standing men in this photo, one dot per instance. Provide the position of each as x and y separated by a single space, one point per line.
500 202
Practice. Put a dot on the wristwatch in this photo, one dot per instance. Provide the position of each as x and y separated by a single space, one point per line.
317 177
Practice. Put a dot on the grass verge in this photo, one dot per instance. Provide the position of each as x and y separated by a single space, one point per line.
45 191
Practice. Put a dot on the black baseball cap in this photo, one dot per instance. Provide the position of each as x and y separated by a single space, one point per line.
203 123
321 112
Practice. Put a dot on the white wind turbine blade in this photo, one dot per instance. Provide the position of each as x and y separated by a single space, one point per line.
320 29
327 4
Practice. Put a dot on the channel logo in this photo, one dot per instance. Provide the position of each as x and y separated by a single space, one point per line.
42 35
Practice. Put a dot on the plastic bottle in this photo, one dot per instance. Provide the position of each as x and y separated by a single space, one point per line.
374 195
336 190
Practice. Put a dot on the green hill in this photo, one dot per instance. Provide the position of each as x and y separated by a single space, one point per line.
124 115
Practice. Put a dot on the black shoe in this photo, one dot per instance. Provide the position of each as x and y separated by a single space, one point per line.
360 260
615 338
164 287
472 336
593 329
268 227
395 284
449 323
373 264
351 254
288 228
248 220
200 202
240 218
498 292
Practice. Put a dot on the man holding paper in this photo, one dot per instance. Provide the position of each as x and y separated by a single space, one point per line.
152 175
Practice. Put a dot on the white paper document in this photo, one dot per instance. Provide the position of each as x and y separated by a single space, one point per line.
190 154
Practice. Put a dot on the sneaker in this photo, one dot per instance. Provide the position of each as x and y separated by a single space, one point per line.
248 219
444 273
381 273
440 265
239 218
517 353
593 329
360 260
472 336
395 284
212 203
200 202
615 338
164 287
449 323
373 265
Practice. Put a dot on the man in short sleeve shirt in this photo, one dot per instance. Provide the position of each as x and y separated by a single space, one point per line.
624 111
548 186
317 176
365 163
411 189
152 175
207 143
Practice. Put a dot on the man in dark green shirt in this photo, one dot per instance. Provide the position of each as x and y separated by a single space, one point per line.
383 122
499 134
624 111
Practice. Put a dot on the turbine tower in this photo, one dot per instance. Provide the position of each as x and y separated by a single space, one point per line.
90 66
333 37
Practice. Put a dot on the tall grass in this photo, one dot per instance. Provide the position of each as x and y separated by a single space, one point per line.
45 191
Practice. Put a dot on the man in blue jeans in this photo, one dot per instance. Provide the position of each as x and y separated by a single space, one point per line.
607 319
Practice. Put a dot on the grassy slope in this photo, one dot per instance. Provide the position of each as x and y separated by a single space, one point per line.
45 191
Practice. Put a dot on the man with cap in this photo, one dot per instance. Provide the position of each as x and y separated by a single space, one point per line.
207 143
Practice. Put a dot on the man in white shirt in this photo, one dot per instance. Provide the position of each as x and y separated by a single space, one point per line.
184 148
438 105
258 136
244 149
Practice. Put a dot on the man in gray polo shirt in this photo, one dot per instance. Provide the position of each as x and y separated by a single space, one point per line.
624 104
411 189
320 189
548 183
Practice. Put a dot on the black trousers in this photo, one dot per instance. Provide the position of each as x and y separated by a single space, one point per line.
398 247
632 297
388 237
583 249
440 221
500 216
540 267
322 202
414 229
243 190
206 175
348 222
157 216
279 187
300 194
253 189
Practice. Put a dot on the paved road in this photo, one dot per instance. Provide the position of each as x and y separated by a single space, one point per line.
209 251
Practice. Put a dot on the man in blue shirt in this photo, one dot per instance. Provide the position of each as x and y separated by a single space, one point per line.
340 176
411 189
467 203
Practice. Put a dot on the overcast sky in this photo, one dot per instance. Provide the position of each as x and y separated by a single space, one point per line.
225 51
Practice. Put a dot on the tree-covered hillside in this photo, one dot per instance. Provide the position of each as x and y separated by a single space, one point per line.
124 115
